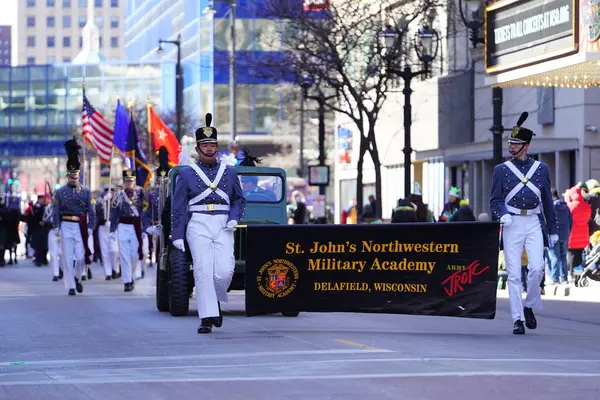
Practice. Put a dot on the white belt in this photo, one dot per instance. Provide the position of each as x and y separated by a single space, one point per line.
518 211
209 207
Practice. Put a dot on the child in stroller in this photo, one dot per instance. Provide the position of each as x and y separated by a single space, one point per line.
591 261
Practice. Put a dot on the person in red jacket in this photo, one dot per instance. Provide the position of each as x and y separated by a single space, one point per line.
579 237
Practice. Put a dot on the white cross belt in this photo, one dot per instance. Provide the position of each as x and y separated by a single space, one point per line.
212 186
525 181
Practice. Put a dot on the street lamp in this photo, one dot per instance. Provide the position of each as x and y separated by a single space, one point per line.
474 23
210 11
178 81
305 84
426 46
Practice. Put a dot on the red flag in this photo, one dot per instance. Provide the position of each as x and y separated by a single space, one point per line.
162 136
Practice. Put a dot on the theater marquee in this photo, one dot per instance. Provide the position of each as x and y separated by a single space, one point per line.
524 32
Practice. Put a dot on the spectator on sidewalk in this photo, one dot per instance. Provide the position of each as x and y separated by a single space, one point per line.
579 235
463 213
405 211
593 198
557 255
424 214
451 206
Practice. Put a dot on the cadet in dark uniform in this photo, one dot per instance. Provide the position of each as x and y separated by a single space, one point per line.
127 222
521 199
74 208
207 205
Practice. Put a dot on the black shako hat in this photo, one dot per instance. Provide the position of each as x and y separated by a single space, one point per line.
163 162
128 174
72 148
520 135
207 134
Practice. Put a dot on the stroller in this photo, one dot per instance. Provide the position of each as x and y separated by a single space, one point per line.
591 260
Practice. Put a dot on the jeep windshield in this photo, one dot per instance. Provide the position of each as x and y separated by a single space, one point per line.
261 188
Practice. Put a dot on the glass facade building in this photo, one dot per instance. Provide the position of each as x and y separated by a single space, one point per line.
262 100
40 106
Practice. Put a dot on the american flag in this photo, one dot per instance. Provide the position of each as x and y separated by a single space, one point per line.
96 131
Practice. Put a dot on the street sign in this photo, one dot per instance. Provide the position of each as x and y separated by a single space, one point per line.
318 175
318 207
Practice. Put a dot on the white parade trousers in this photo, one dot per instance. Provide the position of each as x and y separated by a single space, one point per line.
524 232
54 250
212 253
114 253
105 250
128 251
145 250
73 251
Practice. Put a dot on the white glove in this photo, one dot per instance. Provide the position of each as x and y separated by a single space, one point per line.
231 225
150 231
90 232
506 219
113 235
553 239
57 233
179 244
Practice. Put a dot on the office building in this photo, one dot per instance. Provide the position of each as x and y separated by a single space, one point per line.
5 45
50 31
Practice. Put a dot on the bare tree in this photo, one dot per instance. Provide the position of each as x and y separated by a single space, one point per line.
337 46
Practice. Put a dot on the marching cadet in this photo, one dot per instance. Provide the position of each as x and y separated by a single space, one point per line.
74 208
103 222
521 199
126 219
156 200
53 241
208 200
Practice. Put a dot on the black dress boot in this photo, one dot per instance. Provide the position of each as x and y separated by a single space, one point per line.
218 321
518 328
206 325
114 274
71 292
530 321
108 277
89 273
78 286
128 287
55 279
60 274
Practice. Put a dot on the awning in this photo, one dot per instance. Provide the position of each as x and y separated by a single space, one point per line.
484 150
580 70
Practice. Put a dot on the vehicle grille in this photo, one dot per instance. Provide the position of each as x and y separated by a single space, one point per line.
240 244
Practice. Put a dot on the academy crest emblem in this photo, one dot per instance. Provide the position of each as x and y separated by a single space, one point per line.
277 278
515 131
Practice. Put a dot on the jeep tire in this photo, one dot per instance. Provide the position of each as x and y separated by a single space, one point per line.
179 298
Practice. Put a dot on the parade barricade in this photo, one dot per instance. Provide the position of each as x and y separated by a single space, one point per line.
448 269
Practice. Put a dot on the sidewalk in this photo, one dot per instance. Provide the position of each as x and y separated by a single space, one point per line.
567 292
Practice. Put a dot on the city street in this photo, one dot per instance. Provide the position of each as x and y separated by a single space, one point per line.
108 344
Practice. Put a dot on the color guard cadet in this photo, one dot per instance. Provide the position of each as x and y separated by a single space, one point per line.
156 200
207 205
127 223
521 199
53 241
74 208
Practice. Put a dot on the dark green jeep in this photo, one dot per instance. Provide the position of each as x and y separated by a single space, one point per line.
174 272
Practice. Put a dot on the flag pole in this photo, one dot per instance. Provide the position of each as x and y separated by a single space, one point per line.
83 175
149 131
110 178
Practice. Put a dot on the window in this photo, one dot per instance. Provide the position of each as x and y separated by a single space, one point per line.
50 60
81 21
114 42
114 3
30 60
67 41
50 41
50 3
114 22
67 59
262 188
66 3
98 3
50 22
100 22
100 40
30 21
30 3
66 21
80 42
82 3
30 41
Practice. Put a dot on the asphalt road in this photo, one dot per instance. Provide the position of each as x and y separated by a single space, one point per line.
108 344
